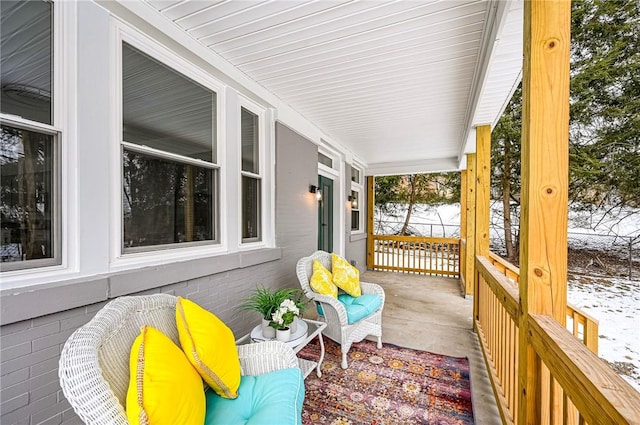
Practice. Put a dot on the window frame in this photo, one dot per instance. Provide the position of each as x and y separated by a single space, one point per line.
62 26
56 209
358 187
261 176
122 258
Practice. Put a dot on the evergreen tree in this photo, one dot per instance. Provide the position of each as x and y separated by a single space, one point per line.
605 103
604 139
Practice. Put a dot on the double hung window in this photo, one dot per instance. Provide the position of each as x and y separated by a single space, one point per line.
356 204
29 139
169 161
251 176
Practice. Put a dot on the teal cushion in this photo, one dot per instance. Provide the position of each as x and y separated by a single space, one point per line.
359 307
272 398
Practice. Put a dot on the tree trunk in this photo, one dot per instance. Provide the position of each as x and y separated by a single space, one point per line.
413 180
506 202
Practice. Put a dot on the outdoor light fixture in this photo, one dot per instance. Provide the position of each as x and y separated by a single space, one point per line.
317 191
353 200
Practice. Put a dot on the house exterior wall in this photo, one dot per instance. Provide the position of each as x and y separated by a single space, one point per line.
296 208
38 318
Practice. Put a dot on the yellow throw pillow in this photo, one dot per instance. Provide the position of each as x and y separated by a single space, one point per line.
321 280
164 388
345 276
210 347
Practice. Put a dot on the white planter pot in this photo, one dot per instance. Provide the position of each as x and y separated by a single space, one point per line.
283 335
267 331
294 325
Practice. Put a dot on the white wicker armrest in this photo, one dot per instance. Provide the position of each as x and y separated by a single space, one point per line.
373 288
265 357
83 384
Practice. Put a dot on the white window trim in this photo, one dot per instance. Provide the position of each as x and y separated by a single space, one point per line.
64 97
263 173
118 259
337 174
359 188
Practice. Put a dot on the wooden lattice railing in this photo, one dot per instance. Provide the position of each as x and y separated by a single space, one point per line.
572 385
416 254
583 326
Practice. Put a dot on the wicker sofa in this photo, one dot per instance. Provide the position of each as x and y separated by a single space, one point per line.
335 313
94 364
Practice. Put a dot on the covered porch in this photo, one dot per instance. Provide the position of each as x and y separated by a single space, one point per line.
342 91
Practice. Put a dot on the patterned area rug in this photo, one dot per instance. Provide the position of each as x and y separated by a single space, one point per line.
392 385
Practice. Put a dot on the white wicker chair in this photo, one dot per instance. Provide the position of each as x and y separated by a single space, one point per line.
338 328
94 364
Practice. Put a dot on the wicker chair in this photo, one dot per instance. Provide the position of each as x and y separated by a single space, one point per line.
94 364
334 312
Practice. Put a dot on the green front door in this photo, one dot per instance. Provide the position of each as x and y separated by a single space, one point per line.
325 214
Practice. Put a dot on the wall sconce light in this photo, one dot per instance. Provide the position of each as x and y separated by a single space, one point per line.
317 191
353 200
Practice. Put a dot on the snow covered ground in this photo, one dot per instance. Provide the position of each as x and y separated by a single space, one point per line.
614 302
616 305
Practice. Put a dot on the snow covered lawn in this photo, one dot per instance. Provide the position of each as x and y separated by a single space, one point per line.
616 305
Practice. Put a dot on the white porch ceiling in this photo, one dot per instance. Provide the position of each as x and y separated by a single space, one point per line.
400 84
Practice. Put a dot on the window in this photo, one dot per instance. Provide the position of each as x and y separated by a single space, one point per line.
356 200
251 177
355 175
170 174
325 160
29 142
355 210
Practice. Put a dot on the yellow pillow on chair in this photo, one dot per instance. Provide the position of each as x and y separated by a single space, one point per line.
322 281
210 347
345 276
164 388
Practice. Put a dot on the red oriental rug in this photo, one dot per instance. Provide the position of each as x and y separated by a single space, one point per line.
392 385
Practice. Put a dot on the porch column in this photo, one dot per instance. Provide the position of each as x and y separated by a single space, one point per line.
469 269
463 232
545 170
370 203
483 186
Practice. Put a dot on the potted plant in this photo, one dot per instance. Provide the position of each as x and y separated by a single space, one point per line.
282 319
266 301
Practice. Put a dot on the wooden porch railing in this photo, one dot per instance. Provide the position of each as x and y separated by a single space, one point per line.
573 386
416 254
584 326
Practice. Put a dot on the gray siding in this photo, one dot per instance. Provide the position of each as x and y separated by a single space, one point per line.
296 208
30 349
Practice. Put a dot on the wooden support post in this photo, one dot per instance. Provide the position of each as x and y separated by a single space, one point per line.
463 232
545 159
469 268
370 203
483 186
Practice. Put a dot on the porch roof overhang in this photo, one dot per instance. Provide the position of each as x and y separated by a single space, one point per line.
397 85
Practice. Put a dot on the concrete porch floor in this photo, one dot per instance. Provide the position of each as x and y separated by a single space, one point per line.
428 313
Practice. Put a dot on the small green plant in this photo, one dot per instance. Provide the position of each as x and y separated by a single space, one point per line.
266 301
